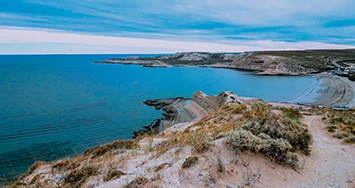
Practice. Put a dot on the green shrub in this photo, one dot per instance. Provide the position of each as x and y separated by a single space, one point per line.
241 140
332 128
292 113
280 128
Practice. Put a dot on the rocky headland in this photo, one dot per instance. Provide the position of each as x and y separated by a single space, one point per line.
229 141
263 62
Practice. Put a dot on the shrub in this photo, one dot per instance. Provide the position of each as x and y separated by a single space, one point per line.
277 128
138 182
113 174
161 166
350 139
292 113
241 140
78 177
341 135
332 128
220 165
189 162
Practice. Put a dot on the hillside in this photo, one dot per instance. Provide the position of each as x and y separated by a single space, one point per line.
265 62
233 142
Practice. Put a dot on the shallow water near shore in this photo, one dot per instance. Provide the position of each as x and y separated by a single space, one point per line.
55 106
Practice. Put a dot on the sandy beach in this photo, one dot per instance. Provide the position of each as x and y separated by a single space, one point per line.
334 91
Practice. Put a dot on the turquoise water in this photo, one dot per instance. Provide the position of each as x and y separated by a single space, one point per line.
54 106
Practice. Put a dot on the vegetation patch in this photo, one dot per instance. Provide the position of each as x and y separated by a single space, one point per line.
277 137
138 182
350 139
78 177
64 165
342 124
161 166
292 113
120 144
35 166
190 161
114 174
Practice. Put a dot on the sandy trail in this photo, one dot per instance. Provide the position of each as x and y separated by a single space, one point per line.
331 163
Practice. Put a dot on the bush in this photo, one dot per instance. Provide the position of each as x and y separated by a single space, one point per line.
341 135
332 128
78 177
292 113
350 139
241 140
189 162
138 182
277 128
113 174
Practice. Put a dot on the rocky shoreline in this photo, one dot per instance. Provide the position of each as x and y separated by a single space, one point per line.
174 112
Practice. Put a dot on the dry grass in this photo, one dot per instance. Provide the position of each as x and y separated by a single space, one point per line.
113 174
137 183
120 144
78 177
190 161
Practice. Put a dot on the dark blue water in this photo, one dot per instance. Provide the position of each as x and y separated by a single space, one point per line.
54 106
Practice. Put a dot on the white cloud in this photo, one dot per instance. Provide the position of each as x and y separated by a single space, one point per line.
110 44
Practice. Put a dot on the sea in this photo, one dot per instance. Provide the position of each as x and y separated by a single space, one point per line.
57 106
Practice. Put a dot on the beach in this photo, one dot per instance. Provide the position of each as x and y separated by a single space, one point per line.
333 91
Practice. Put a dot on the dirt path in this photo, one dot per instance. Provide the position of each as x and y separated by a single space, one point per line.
331 164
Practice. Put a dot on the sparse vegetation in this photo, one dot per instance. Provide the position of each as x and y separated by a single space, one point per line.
220 165
113 174
292 113
35 166
120 144
64 165
342 124
190 161
161 166
78 177
138 182
350 139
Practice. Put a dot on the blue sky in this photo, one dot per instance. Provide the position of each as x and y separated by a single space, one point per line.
157 26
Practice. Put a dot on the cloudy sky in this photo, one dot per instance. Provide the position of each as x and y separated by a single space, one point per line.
166 26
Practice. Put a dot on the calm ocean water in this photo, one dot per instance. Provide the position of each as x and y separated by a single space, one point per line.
55 106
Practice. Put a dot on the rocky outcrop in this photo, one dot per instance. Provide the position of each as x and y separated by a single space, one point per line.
174 112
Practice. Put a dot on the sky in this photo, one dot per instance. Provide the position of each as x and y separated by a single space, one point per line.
162 26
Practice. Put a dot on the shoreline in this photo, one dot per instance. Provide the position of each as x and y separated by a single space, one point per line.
334 91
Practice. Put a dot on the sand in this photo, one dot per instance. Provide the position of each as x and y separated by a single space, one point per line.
335 91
